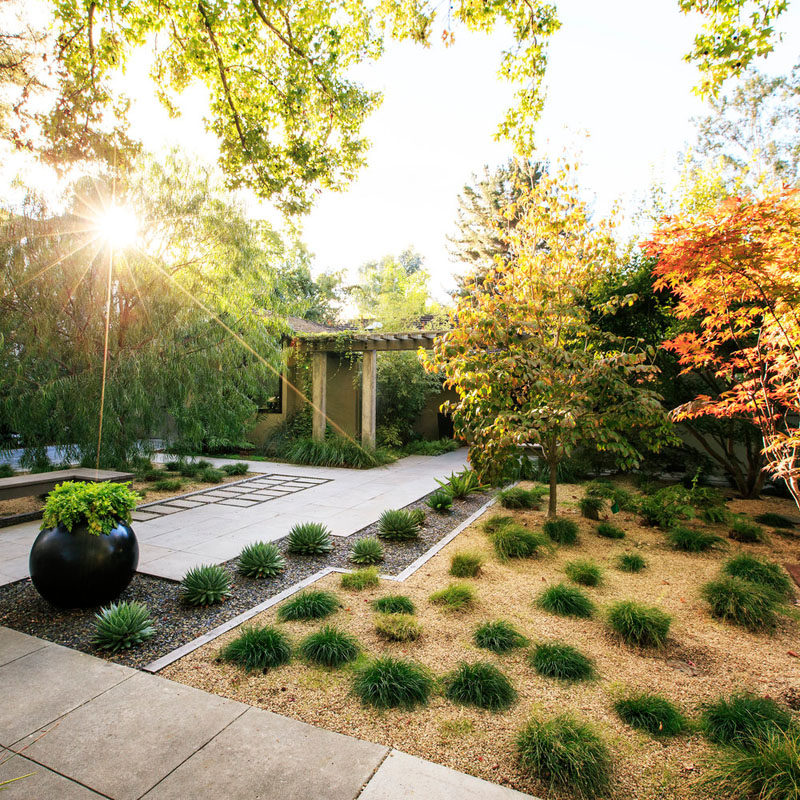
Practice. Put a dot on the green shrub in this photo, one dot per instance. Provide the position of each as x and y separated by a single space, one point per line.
498 636
600 487
456 597
367 551
706 497
168 485
517 497
6 471
690 540
398 525
770 770
561 661
638 624
567 753
495 522
173 466
666 506
480 684
561 531
258 649
121 626
309 539
745 530
742 719
150 474
764 573
334 451
462 484
715 515
609 531
203 464
394 604
309 604
239 468
514 541
566 601
466 564
190 469
435 448
591 506
631 562
393 683
330 647
397 627
360 579
652 713
205 586
743 603
772 520
100 505
584 571
441 501
261 560
211 475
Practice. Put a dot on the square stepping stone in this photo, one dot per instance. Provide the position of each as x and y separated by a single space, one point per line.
238 501
143 516
160 509
185 503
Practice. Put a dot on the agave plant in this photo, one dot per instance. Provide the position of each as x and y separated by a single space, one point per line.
205 586
310 539
367 551
121 626
261 560
398 525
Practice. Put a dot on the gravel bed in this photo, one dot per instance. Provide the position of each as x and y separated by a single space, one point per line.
22 608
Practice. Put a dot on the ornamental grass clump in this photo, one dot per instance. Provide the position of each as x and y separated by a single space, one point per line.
466 564
258 649
494 523
309 604
393 683
167 485
456 597
440 501
591 506
741 602
690 540
762 572
394 604
743 719
561 531
397 627
330 647
566 601
609 531
498 636
398 525
367 551
309 539
515 541
561 661
211 475
261 560
638 624
121 626
102 506
773 520
584 571
746 531
239 468
715 515
769 770
360 579
206 585
631 562
651 713
517 497
480 684
567 753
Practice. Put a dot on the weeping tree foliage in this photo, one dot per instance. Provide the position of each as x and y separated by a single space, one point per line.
172 368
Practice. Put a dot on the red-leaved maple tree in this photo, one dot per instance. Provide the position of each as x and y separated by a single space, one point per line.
736 271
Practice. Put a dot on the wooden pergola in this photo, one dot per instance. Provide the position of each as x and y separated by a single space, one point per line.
319 345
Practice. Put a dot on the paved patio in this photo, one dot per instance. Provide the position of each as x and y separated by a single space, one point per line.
214 525
87 728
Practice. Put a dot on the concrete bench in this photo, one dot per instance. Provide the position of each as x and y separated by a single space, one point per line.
43 482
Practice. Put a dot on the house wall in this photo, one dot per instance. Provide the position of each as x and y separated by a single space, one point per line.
427 424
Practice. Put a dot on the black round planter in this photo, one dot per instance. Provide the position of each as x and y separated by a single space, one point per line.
78 569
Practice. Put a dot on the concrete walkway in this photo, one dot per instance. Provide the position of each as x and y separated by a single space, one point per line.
87 728
347 500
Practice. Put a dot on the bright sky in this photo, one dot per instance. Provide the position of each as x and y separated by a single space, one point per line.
619 99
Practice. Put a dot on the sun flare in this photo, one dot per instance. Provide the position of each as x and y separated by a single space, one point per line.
119 226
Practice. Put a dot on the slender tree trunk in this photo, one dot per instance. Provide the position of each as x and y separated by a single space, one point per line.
551 508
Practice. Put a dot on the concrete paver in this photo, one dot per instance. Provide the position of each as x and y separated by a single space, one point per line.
36 781
14 645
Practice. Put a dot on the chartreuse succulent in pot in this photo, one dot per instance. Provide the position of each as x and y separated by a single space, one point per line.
100 505
121 626
258 649
310 539
205 586
261 560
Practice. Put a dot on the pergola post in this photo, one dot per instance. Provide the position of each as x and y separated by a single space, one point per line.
319 385
369 382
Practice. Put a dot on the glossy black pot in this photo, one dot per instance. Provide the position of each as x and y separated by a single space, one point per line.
78 569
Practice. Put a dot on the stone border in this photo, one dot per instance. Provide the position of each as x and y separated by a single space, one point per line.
214 633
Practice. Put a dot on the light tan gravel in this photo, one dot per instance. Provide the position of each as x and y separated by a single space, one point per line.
703 658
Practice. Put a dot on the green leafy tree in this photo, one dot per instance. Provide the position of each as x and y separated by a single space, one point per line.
526 360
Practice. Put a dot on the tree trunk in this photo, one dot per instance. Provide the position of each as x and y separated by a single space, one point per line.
551 508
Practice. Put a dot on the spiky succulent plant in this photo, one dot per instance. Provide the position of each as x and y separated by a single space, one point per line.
261 560
310 539
121 626
205 586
